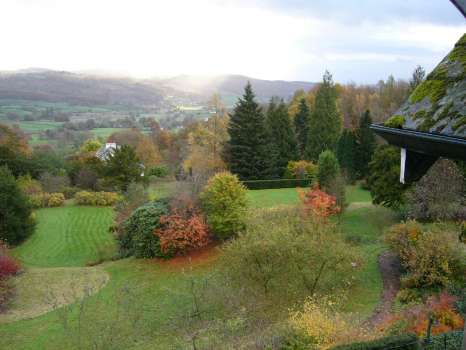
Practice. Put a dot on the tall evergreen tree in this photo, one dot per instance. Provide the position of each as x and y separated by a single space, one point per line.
301 126
365 146
326 121
282 137
346 149
247 152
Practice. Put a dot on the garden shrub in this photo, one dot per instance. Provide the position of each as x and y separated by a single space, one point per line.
321 324
328 167
399 342
69 191
432 258
96 198
285 257
301 169
415 318
8 268
181 231
224 203
137 234
439 194
29 186
55 200
46 200
318 203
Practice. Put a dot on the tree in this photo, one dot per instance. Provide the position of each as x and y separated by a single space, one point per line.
147 152
384 179
301 125
206 142
418 77
439 194
247 151
328 169
90 146
346 154
325 122
122 167
365 145
16 222
281 135
224 203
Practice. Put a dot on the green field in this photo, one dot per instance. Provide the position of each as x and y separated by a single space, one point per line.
67 236
157 293
105 132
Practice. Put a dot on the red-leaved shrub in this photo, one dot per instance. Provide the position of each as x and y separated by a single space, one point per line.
317 202
415 319
8 265
181 231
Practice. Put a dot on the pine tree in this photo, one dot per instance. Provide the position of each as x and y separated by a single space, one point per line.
301 125
326 122
346 154
282 138
365 145
122 168
247 152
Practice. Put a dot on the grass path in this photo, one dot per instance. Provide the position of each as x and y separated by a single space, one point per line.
67 236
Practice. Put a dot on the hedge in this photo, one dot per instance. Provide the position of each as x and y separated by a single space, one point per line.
446 341
399 342
96 198
278 183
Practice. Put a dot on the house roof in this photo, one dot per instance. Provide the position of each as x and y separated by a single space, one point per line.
438 105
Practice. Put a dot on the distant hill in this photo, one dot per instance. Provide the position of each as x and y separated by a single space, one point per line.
54 86
233 85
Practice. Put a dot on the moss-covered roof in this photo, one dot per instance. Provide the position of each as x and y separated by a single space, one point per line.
438 104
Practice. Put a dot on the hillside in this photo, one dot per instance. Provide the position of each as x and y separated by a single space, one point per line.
233 85
54 86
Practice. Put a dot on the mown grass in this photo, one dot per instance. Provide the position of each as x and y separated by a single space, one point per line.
158 293
67 236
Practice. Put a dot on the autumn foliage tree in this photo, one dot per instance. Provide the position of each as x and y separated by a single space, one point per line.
181 231
318 203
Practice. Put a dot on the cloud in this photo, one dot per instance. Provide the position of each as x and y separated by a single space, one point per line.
293 39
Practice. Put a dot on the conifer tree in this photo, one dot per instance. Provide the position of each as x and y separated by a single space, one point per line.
365 146
326 122
282 138
346 150
301 125
247 152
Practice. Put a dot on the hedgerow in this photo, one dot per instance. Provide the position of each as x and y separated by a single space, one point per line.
96 198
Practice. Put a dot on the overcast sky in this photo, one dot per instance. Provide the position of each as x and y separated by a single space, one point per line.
357 40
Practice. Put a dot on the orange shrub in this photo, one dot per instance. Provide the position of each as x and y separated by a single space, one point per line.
415 319
317 202
181 231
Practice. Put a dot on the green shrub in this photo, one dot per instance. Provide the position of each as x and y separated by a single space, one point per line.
278 183
137 235
328 169
224 203
399 342
96 198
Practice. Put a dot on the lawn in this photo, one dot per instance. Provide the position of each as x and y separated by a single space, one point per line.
67 236
146 304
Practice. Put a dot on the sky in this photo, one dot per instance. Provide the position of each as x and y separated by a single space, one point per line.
356 40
